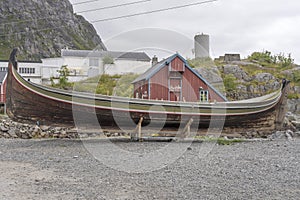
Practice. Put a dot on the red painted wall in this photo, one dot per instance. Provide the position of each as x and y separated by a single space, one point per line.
177 65
141 90
3 92
160 82
191 85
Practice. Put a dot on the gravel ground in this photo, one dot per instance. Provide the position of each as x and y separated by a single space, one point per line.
67 169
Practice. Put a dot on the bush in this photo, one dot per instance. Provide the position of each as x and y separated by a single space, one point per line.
296 77
63 79
262 57
230 82
266 58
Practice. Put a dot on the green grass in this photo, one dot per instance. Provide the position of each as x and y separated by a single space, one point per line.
116 85
293 96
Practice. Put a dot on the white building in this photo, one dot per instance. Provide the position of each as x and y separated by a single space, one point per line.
85 63
31 71
82 64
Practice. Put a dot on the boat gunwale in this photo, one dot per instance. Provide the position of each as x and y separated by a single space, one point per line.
244 104
266 107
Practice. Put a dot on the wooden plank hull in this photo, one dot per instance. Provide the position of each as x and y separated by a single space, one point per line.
30 102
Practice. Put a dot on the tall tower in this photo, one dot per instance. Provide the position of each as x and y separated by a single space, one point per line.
201 46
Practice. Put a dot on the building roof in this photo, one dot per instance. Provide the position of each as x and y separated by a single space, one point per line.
22 61
2 76
137 56
153 70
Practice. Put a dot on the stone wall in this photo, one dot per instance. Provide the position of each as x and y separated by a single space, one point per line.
11 129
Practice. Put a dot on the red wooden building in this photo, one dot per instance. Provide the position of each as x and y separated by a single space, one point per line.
3 75
172 79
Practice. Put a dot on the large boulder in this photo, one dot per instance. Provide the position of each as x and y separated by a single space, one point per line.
264 77
236 71
212 75
294 106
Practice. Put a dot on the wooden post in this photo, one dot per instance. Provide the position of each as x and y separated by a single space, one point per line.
5 109
137 134
187 129
140 129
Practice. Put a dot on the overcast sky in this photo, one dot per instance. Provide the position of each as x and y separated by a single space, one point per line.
234 26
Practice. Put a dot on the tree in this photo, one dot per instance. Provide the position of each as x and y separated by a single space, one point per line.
63 83
64 72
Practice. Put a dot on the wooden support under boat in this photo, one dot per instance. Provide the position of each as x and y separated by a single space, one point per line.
187 129
137 134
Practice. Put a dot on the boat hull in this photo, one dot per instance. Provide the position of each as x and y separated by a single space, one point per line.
28 102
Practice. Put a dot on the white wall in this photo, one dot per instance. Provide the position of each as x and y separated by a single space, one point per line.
33 77
50 67
127 66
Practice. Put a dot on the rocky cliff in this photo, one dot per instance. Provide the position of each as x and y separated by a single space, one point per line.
41 28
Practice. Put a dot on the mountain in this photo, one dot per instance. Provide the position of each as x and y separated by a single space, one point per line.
41 28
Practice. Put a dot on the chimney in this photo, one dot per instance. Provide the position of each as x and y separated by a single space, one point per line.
154 60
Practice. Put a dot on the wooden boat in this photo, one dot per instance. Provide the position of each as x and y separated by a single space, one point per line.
27 101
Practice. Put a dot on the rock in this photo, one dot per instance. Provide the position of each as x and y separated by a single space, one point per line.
283 135
238 72
3 129
289 134
107 134
37 130
290 116
44 128
264 77
116 134
12 133
44 134
294 106
296 89
296 124
6 135
278 135
23 131
63 134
